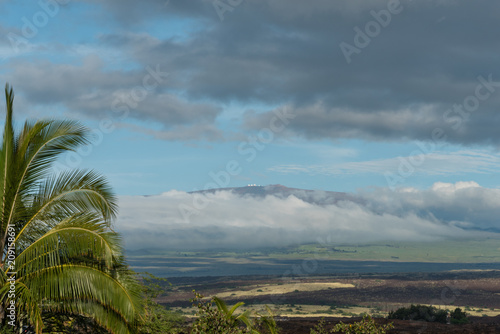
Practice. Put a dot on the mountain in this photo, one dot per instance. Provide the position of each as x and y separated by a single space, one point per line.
318 197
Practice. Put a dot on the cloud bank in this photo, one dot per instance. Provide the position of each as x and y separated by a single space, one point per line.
229 220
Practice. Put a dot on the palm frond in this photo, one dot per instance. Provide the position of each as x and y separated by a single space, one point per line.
104 316
66 194
37 147
231 311
78 282
27 303
83 236
69 259
7 162
221 305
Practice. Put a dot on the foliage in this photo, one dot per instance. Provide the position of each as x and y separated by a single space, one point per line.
458 317
58 226
219 319
266 323
63 323
157 319
419 312
365 326
7 330
320 328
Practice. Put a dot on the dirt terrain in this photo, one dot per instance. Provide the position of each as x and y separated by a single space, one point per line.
300 302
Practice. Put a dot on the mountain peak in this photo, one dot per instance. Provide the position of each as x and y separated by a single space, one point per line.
278 190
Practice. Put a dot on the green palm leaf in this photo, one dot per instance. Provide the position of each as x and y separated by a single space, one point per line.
83 235
69 259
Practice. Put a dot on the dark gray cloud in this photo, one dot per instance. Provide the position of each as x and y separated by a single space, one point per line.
96 92
130 12
399 86
413 122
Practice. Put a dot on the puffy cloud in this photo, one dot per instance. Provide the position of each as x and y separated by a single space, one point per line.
464 204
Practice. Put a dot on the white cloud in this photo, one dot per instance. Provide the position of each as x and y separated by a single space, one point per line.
171 220
463 203
437 163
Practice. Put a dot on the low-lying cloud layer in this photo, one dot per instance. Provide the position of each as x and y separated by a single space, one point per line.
179 220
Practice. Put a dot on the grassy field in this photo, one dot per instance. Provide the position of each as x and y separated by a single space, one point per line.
299 310
269 289
305 310
345 295
458 251
387 257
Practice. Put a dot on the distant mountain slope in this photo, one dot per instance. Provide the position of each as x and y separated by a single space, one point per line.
318 197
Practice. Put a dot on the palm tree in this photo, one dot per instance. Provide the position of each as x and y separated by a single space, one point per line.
229 313
58 251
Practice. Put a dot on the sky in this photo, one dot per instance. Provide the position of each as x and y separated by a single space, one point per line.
366 97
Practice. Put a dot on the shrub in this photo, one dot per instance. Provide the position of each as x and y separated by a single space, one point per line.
458 317
366 326
419 312
156 318
215 319
320 328
266 323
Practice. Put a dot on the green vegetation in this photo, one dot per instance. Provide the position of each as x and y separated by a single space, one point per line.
365 326
157 319
62 323
215 317
219 319
57 227
266 323
458 317
450 251
419 312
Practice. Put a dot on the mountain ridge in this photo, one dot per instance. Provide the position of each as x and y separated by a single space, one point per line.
321 197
